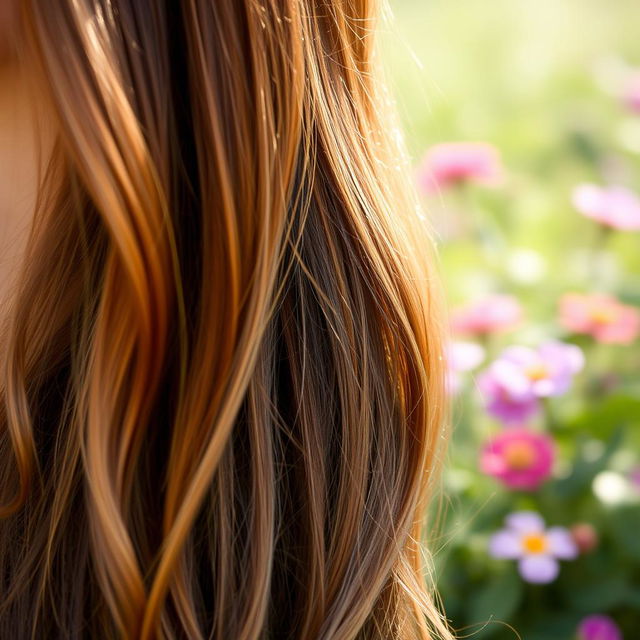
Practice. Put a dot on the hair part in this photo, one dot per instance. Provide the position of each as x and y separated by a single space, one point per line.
222 405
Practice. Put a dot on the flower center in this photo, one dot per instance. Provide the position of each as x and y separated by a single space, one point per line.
602 316
537 372
519 455
534 543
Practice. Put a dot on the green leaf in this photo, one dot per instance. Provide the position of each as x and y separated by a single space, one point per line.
495 604
554 626
585 470
599 595
605 417
625 527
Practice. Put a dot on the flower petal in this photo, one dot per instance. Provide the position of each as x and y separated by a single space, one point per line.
538 569
505 544
525 522
546 387
562 356
464 356
598 627
561 543
510 377
587 199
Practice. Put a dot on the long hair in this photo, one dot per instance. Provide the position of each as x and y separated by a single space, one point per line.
222 405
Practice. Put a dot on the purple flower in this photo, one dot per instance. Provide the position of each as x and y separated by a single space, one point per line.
507 393
598 627
549 368
513 383
536 549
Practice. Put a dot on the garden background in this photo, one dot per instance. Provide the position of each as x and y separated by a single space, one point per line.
541 538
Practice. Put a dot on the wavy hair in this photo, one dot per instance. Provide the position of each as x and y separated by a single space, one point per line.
222 404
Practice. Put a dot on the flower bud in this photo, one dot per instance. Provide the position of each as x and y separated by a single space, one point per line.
585 536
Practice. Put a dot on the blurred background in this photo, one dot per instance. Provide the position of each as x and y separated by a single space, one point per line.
522 119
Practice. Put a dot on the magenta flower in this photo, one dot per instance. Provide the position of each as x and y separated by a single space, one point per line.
598 627
520 458
601 316
616 207
451 163
461 356
536 549
494 313
513 383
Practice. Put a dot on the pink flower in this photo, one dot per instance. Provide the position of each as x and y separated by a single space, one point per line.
634 477
631 92
451 163
491 314
461 356
519 457
600 316
616 207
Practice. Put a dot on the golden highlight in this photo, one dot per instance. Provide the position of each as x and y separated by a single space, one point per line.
222 403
